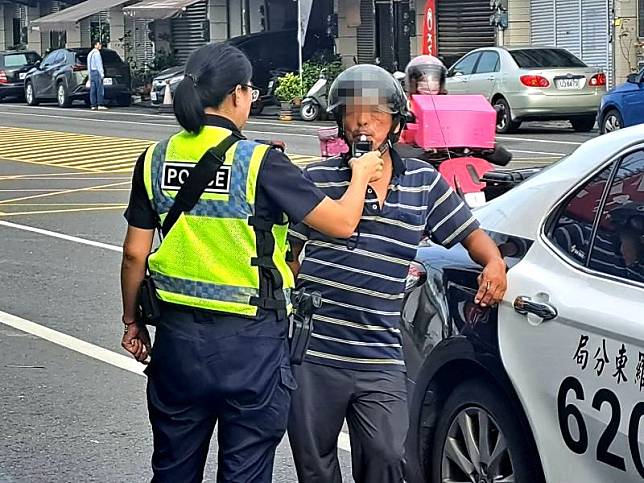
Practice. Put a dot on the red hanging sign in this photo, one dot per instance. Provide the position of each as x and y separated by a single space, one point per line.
430 46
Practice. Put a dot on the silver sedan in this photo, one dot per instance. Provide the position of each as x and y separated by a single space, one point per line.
531 84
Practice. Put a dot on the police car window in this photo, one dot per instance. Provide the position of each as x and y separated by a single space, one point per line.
489 63
572 229
618 247
465 66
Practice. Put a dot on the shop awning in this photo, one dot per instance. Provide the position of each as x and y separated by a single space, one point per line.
68 17
157 9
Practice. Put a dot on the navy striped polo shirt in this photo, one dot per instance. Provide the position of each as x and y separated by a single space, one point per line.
362 279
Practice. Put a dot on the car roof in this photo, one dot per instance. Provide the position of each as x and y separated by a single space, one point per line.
273 33
521 210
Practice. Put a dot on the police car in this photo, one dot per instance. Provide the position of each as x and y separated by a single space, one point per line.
549 385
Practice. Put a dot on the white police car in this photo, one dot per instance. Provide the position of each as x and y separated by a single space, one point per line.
549 386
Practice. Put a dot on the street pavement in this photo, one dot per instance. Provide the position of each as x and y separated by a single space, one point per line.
72 405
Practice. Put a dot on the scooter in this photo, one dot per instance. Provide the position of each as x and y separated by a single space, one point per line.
315 103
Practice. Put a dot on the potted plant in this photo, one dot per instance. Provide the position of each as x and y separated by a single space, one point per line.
287 91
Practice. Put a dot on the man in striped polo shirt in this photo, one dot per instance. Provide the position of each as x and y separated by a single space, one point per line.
354 367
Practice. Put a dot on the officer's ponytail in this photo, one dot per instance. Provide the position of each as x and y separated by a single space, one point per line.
212 73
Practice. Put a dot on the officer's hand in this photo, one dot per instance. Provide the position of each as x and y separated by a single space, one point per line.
370 164
136 340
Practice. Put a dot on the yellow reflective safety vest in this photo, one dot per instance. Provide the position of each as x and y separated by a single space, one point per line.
211 258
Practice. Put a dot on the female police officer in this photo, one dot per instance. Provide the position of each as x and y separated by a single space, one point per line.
220 353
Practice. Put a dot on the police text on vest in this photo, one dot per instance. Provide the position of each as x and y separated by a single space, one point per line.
176 174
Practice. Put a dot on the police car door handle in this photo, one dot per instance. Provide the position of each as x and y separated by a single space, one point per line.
525 305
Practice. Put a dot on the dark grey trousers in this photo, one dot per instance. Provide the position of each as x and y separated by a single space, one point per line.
374 404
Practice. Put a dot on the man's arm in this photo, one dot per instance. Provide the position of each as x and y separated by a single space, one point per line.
493 280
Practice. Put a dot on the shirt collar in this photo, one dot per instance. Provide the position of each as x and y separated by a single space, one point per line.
399 165
223 122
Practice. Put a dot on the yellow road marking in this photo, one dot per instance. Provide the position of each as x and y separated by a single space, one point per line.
84 152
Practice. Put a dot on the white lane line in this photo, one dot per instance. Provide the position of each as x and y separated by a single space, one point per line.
139 123
544 141
72 343
167 117
538 152
86 348
96 352
62 236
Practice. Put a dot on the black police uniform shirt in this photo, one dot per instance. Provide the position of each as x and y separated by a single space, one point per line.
281 189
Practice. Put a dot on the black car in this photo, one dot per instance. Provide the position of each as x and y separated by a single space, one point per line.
267 51
14 66
63 76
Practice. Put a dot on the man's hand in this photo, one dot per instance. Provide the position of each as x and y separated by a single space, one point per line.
370 163
136 340
492 284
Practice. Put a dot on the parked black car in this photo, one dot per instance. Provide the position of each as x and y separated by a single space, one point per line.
14 66
63 75
267 52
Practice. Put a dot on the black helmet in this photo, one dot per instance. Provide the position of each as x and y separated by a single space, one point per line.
426 74
369 84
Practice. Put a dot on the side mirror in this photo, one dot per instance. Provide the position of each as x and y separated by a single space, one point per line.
633 79
37 64
416 277
457 73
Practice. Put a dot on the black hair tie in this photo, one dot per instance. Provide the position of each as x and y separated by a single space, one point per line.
193 78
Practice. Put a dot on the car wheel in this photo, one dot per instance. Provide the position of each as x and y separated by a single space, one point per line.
256 107
479 438
505 124
124 100
583 124
612 121
30 94
63 96
309 111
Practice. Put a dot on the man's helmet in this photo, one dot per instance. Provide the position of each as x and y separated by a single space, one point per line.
425 75
369 85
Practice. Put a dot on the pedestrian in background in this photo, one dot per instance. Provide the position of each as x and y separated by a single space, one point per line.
220 355
96 76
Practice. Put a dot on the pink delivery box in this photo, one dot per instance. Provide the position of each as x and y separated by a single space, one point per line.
453 122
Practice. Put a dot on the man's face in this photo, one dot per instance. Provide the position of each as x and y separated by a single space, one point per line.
99 46
367 120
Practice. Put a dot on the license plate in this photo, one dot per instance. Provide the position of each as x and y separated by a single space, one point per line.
474 200
568 84
153 96
107 81
22 75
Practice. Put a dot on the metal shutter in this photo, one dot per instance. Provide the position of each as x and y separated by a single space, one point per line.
366 32
542 13
187 30
595 36
463 25
567 25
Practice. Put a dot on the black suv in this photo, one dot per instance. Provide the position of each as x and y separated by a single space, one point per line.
63 76
14 66
267 52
